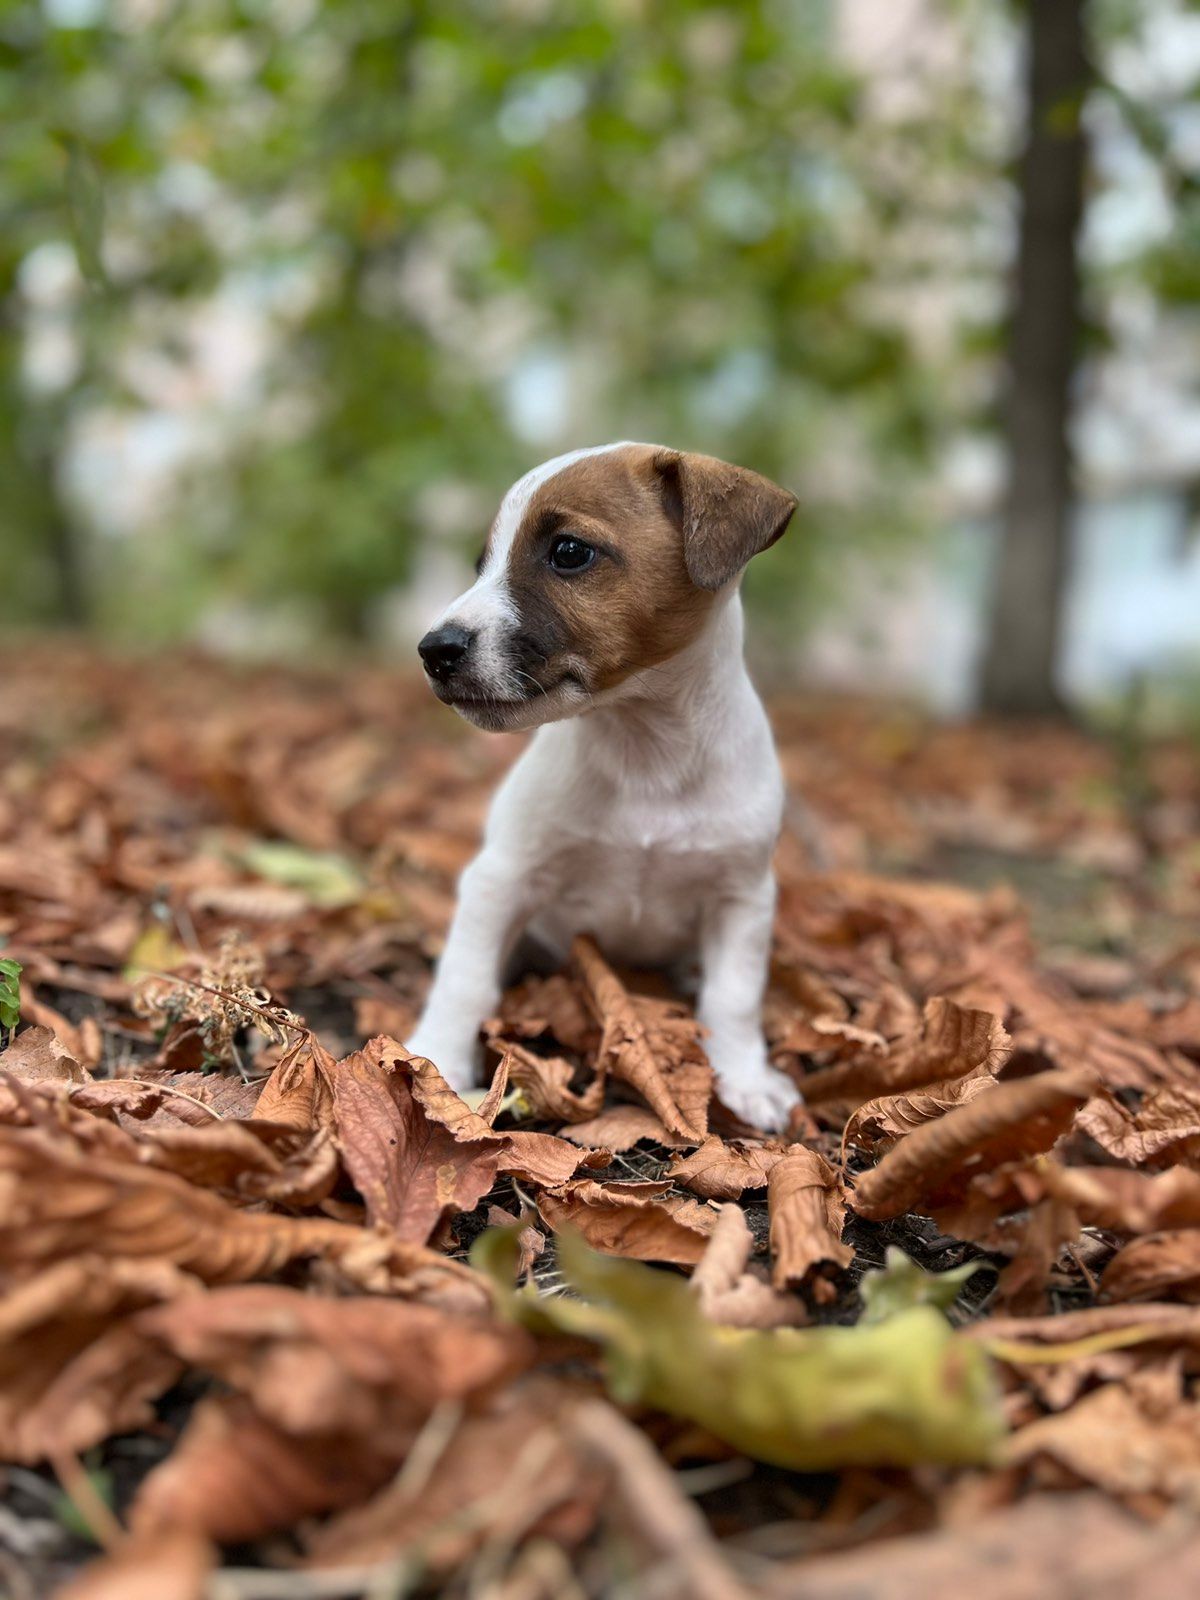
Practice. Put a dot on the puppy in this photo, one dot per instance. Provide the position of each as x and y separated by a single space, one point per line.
645 811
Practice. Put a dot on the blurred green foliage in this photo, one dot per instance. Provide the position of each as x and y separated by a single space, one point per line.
411 223
426 206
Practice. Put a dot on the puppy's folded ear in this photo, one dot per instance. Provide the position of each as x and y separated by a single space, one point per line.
725 514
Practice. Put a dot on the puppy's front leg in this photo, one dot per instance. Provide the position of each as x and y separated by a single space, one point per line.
490 913
735 951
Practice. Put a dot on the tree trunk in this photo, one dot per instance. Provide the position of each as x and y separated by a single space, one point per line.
1029 580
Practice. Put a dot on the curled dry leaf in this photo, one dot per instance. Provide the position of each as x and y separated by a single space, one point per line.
443 1514
720 1171
1138 1438
807 1205
1158 1265
891 1117
50 1319
298 1091
545 1083
951 1041
729 1290
233 1476
1011 1120
56 1203
642 1221
1126 1202
652 1048
1164 1130
540 1158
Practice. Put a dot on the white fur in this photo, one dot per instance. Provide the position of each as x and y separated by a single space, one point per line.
649 822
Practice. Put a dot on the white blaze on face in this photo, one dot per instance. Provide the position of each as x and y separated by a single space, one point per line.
487 609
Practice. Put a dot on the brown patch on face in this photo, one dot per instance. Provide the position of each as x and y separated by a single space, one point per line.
635 606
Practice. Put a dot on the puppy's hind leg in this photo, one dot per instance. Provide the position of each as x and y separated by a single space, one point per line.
735 951
488 918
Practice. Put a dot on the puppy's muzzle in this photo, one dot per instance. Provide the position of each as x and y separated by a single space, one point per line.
444 651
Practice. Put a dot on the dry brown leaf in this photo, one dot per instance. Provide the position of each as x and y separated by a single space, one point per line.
36 1053
234 1477
298 1091
57 1202
1012 1120
618 1128
951 1041
1164 1130
807 1204
540 1158
660 1061
720 1171
1126 1202
729 1290
1137 1438
892 1117
1158 1265
1107 1554
411 1171
173 1564
545 1082
545 1488
642 1221
49 1320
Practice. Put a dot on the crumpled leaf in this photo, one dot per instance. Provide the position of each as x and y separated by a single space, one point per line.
1020 1118
234 1476
731 1291
547 1488
1165 1128
721 1171
1157 1265
906 1390
900 1284
642 1221
890 1117
660 1058
618 1128
951 1041
411 1171
806 1201
545 1085
1136 1438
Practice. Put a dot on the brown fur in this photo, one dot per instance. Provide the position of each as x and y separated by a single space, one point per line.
671 529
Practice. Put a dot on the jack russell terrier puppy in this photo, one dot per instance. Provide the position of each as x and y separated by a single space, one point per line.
645 811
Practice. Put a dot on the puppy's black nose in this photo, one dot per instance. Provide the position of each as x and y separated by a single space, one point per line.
443 649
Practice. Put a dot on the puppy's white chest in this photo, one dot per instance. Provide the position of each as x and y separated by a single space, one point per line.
642 902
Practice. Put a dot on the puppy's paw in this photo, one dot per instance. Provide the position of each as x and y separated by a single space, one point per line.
764 1098
454 1063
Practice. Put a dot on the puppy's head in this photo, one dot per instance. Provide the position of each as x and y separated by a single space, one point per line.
599 564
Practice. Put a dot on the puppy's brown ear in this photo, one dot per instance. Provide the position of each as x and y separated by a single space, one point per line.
725 514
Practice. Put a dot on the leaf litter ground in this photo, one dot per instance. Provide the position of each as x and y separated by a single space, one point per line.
261 1330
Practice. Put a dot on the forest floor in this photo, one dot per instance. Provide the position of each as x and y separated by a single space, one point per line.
260 1335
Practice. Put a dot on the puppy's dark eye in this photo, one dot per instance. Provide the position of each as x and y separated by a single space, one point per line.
568 554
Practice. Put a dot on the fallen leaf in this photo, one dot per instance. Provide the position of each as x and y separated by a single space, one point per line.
951 1041
721 1171
642 1221
1011 1120
662 1063
807 1205
37 1054
411 1171
1158 1265
443 1515
891 1117
905 1390
618 1128
729 1290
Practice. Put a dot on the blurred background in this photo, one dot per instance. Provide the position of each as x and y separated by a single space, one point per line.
290 290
